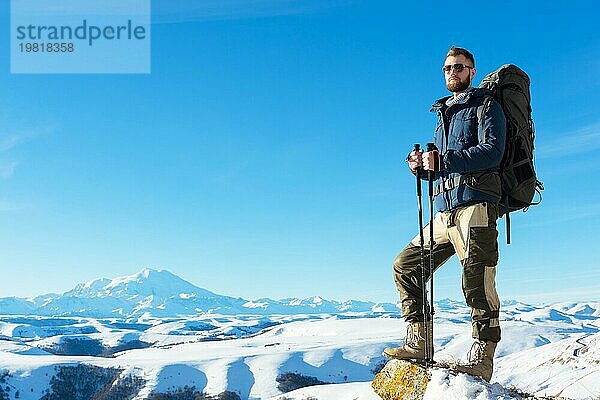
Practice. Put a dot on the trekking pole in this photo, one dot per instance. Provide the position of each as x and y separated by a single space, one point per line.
436 167
422 243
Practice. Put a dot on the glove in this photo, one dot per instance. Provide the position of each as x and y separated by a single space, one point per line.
415 160
432 160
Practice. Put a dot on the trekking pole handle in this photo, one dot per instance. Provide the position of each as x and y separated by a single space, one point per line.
417 148
431 147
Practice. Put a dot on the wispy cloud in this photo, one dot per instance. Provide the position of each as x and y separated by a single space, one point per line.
9 141
173 11
561 213
6 171
558 213
583 140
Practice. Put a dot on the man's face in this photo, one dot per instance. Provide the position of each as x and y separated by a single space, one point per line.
459 81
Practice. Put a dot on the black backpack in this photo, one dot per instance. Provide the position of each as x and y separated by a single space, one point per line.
510 87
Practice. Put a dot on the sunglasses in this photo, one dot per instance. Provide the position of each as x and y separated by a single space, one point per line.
456 67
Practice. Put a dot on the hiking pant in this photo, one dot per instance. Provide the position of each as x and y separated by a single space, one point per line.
471 233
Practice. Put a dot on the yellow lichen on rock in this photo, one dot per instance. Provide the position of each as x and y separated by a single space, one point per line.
401 380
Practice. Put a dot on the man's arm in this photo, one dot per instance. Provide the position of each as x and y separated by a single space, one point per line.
488 153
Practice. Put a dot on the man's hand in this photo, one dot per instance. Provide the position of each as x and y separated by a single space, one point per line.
414 160
431 160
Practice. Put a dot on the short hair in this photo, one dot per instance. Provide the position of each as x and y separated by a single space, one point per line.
459 51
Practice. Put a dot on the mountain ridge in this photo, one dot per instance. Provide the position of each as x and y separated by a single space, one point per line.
160 293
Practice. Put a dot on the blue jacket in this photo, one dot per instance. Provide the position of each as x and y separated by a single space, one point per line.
470 155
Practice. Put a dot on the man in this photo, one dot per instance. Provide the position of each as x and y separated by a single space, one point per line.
470 137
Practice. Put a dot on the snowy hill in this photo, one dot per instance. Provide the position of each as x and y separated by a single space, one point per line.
557 356
159 293
342 350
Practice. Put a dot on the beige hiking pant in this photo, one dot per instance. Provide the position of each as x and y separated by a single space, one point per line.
470 233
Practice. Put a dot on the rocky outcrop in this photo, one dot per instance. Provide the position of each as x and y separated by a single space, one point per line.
401 380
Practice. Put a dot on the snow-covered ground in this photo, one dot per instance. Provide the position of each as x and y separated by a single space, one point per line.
551 350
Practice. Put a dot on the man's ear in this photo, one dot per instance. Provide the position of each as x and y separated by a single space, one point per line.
474 71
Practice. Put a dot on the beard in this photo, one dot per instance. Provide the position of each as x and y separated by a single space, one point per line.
457 85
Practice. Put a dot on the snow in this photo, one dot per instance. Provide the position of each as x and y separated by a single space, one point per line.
443 385
568 367
448 386
547 350
252 304
338 349
347 391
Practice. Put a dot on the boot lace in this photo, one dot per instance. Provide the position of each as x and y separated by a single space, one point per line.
477 353
410 337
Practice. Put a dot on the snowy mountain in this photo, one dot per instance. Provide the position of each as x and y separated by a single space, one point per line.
159 293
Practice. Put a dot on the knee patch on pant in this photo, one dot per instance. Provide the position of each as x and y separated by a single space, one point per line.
482 247
408 260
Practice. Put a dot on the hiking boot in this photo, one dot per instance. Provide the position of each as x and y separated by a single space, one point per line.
414 343
481 360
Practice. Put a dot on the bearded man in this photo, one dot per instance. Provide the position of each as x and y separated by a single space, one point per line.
470 139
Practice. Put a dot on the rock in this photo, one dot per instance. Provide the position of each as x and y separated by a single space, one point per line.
401 380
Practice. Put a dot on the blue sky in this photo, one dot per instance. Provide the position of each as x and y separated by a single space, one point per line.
263 156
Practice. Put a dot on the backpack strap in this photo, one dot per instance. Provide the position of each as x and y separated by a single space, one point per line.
481 110
450 184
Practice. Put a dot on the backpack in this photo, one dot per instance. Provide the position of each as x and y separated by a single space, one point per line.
509 86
